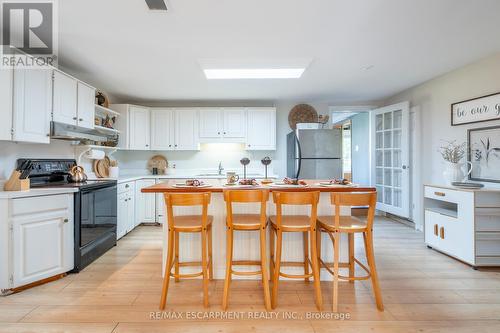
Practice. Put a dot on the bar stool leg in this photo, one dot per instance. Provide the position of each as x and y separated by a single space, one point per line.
336 238
276 276
204 266
176 246
368 237
318 246
351 256
271 250
168 269
305 239
263 268
210 259
229 263
315 267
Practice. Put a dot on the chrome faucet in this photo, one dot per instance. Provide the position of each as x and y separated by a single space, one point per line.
220 168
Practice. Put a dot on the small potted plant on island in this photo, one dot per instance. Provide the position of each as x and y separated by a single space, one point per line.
453 154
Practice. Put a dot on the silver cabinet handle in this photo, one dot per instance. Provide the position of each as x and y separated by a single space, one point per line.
66 220
74 118
81 119
127 185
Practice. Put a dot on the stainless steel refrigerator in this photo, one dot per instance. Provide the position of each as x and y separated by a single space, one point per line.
314 154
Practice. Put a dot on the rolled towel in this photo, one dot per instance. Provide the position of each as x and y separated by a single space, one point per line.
95 154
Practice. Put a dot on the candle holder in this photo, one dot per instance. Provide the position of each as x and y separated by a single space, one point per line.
266 161
245 161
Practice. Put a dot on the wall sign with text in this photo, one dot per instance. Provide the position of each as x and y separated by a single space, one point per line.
476 110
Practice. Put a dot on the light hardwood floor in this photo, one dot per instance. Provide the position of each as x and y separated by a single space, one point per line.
423 291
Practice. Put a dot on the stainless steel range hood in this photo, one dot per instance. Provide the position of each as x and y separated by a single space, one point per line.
66 132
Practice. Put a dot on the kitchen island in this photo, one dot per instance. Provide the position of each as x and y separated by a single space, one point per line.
246 244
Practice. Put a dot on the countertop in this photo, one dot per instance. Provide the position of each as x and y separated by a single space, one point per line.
132 177
218 186
35 192
456 188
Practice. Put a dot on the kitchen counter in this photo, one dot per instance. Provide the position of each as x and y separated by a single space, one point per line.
35 192
132 177
218 186
246 244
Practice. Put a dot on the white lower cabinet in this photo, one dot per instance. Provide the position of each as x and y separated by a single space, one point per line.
144 202
125 209
42 238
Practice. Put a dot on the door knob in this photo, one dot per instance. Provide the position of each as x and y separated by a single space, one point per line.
81 119
66 220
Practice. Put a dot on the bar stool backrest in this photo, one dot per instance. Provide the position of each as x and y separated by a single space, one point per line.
246 196
187 199
296 198
354 199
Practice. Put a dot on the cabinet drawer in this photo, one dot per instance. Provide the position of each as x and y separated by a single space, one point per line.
42 204
124 187
444 194
488 244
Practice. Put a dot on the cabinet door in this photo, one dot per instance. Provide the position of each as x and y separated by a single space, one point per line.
131 222
139 128
64 99
32 105
233 123
43 246
431 229
144 202
162 129
161 213
261 129
186 129
122 215
86 105
210 123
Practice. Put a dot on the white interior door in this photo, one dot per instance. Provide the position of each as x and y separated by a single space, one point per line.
390 158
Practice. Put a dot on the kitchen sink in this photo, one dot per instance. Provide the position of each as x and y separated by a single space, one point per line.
209 175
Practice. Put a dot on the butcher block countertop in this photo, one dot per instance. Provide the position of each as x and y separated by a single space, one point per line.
218 185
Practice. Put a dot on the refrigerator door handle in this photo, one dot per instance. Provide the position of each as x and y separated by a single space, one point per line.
299 157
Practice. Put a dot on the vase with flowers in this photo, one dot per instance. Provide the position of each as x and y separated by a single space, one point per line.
453 153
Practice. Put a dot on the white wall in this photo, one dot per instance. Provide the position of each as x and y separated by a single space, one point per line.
360 126
434 98
10 152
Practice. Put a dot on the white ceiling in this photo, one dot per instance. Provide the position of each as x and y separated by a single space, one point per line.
138 55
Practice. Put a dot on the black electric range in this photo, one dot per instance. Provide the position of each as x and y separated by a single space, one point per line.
95 206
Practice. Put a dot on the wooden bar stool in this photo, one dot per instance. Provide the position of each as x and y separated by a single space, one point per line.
188 223
246 222
336 225
295 223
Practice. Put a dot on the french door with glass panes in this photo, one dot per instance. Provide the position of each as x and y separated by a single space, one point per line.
390 158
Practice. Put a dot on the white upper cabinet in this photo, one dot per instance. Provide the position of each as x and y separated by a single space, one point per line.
210 123
233 123
222 125
6 81
32 105
261 129
162 129
174 129
86 105
186 129
64 99
74 101
139 128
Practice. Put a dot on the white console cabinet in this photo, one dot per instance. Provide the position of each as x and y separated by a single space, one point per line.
464 224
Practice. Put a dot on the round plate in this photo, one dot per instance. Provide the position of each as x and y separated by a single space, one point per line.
286 185
302 113
191 186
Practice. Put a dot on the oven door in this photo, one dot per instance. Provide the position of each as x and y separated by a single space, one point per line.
97 214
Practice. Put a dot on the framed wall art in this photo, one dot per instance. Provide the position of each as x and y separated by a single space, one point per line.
476 110
484 154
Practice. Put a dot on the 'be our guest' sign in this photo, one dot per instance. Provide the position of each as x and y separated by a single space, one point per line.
476 110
